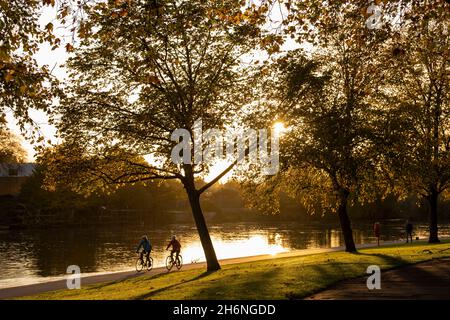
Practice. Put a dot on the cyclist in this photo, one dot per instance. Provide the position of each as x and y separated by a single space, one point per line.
176 247
146 247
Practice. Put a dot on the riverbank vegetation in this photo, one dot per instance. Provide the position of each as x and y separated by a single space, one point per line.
164 202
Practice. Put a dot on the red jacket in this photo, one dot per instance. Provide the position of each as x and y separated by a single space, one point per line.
175 245
376 229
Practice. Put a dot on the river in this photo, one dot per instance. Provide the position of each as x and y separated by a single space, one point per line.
35 255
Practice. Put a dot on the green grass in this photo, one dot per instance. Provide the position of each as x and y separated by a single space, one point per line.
281 278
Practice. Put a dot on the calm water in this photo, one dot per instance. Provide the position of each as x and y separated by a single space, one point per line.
29 256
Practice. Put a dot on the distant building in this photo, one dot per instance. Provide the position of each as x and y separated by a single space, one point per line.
12 177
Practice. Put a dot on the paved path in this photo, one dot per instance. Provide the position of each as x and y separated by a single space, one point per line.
422 281
26 290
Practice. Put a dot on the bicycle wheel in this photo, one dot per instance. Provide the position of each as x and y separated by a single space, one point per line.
150 264
169 262
179 262
139 265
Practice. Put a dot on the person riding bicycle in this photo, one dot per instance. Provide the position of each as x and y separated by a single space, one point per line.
176 247
146 248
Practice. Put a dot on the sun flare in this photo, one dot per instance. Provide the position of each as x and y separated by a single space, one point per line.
279 128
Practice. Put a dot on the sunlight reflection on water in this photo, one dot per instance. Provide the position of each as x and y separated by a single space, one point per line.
30 256
254 245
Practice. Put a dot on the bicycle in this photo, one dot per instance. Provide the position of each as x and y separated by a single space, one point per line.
170 262
141 264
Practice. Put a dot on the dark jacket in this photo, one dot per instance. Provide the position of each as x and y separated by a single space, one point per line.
145 244
409 227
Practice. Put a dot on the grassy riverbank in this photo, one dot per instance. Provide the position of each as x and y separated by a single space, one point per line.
278 278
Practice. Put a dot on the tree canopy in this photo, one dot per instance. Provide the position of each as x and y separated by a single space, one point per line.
142 72
419 69
23 84
11 149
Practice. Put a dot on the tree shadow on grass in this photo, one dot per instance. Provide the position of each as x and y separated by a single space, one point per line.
110 283
260 283
334 273
415 275
329 273
133 277
257 283
155 292
415 281
291 280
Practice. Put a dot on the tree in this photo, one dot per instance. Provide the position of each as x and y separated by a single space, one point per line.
327 101
11 149
23 85
144 69
419 69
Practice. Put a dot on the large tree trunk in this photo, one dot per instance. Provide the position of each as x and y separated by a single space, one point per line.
345 222
433 202
194 200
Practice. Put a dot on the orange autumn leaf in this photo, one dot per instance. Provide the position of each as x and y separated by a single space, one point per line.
49 27
49 2
69 47
9 75
153 79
